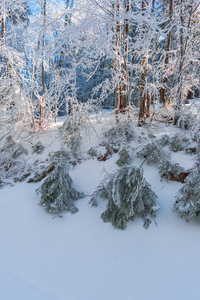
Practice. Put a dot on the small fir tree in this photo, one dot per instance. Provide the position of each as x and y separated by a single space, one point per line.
57 193
122 131
152 152
19 150
186 120
92 152
164 140
71 135
168 169
38 148
129 196
187 203
124 158
178 143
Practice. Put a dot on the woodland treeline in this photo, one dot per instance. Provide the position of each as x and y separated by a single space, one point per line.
61 57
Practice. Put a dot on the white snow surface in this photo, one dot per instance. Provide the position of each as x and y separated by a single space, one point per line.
78 257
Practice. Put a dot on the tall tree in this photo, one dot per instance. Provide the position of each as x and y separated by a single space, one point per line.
42 99
164 78
143 68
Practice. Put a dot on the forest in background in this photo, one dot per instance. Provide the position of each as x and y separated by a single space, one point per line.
119 75
64 57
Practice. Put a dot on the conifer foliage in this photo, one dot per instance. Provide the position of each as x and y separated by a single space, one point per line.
168 169
187 203
57 193
122 132
129 196
152 152
124 158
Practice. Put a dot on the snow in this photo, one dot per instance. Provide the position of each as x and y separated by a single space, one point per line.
78 257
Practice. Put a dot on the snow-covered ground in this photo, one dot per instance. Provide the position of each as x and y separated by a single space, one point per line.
78 257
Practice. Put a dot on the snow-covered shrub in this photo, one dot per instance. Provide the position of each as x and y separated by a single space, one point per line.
196 136
152 152
9 142
13 148
59 157
141 138
119 132
168 169
129 196
71 134
187 203
164 140
92 152
195 130
186 120
12 165
38 148
178 143
124 158
19 150
151 135
57 193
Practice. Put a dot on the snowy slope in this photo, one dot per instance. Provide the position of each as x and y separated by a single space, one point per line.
78 257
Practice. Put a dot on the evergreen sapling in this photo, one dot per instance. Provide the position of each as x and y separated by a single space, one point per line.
129 196
177 143
187 203
168 169
152 152
57 193
122 132
124 158
164 140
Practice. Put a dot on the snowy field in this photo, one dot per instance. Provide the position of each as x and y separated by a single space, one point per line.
78 257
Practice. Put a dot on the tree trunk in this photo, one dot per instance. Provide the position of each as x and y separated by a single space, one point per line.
42 102
3 38
125 84
148 104
3 25
66 13
180 81
166 59
142 87
67 22
143 73
118 53
3 30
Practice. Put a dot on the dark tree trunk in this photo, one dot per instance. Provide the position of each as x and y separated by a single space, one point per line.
143 73
42 100
166 59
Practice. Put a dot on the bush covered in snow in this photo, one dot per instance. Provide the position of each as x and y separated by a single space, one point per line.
12 161
185 120
187 203
152 152
167 169
129 196
72 135
178 143
119 132
57 193
124 158
164 140
38 148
